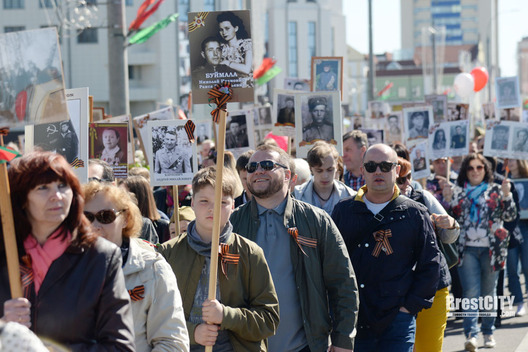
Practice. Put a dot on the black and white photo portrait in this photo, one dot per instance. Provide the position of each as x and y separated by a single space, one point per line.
292 83
520 139
318 125
458 137
507 91
264 115
488 111
439 104
58 137
500 137
203 131
419 162
418 124
439 139
236 132
286 109
221 49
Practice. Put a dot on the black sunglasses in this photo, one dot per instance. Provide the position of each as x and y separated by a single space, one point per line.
403 179
384 166
266 165
105 216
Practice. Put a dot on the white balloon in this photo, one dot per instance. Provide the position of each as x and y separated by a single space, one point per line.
464 84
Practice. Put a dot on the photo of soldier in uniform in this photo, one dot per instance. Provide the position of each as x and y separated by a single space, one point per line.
286 112
500 137
57 137
236 132
458 137
508 95
318 125
327 73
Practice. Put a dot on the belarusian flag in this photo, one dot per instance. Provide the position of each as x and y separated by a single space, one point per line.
143 13
7 154
144 34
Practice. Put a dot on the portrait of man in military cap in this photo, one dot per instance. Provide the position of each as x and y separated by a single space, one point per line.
319 126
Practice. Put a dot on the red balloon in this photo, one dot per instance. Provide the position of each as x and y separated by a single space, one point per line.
480 76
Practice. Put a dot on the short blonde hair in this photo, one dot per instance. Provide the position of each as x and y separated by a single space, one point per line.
122 200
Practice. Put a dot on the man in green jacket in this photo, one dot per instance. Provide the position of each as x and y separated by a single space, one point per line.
246 310
308 260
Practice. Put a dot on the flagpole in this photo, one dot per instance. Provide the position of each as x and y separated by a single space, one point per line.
8 227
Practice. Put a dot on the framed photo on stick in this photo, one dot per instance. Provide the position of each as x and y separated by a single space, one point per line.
318 117
417 121
521 185
173 158
221 50
439 104
240 136
419 160
284 112
508 93
327 73
140 124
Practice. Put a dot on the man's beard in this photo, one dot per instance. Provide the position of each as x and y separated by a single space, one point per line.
274 187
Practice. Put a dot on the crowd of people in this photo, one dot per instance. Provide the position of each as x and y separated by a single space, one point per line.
332 253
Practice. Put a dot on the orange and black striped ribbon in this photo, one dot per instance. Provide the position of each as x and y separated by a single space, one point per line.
382 239
189 128
77 163
227 258
137 293
220 95
26 276
301 240
199 21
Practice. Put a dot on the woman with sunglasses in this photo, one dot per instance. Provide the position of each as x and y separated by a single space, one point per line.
323 190
431 323
73 286
481 207
159 323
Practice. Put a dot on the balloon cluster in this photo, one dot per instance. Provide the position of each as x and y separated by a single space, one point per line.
466 83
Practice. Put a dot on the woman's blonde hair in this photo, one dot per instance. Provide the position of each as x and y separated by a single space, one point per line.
122 200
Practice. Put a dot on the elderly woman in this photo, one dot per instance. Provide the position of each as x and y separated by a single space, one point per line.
74 291
323 190
159 323
481 207
431 323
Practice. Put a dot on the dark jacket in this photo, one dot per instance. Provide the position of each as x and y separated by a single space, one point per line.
83 302
407 277
324 276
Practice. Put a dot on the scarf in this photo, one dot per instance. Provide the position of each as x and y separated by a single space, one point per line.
43 256
473 193
201 247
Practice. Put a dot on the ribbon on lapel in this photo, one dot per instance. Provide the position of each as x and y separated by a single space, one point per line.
382 239
301 240
137 293
227 258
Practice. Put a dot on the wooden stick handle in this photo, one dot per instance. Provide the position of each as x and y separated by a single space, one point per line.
215 241
176 211
8 227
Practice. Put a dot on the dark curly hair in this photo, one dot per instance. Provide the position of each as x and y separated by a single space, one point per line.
235 22
462 175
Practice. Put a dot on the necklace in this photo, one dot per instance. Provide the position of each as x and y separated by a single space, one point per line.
321 198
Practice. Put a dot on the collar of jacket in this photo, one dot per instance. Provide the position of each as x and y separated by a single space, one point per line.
361 193
288 211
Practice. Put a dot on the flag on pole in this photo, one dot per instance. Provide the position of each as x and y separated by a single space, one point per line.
7 154
143 13
144 34
266 71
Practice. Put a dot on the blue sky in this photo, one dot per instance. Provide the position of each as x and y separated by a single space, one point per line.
387 33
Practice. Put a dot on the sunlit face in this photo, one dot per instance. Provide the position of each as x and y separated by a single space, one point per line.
318 113
212 53
513 166
264 184
352 155
243 178
203 203
227 31
113 231
476 172
378 181
110 139
49 204
324 175
170 140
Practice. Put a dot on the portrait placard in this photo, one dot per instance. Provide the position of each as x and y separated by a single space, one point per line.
394 127
31 78
240 136
373 136
284 112
488 111
510 114
68 138
449 139
507 139
173 160
109 142
439 104
127 119
417 121
419 160
327 74
378 109
507 92
318 118
140 124
294 83
221 49
457 111
521 185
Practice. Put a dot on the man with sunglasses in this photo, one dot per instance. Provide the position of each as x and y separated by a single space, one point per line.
306 255
393 249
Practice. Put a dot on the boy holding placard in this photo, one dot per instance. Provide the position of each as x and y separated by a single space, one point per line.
245 311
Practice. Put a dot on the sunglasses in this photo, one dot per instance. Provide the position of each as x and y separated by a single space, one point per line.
403 179
384 166
266 165
478 168
105 216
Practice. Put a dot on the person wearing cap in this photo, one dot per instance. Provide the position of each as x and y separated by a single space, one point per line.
287 113
186 215
326 80
319 129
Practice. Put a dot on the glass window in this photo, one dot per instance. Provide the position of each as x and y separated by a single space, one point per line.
13 4
134 73
292 49
49 4
402 92
209 5
88 35
183 8
10 29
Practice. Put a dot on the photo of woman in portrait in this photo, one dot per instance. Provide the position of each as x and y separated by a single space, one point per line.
440 141
111 151
236 46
